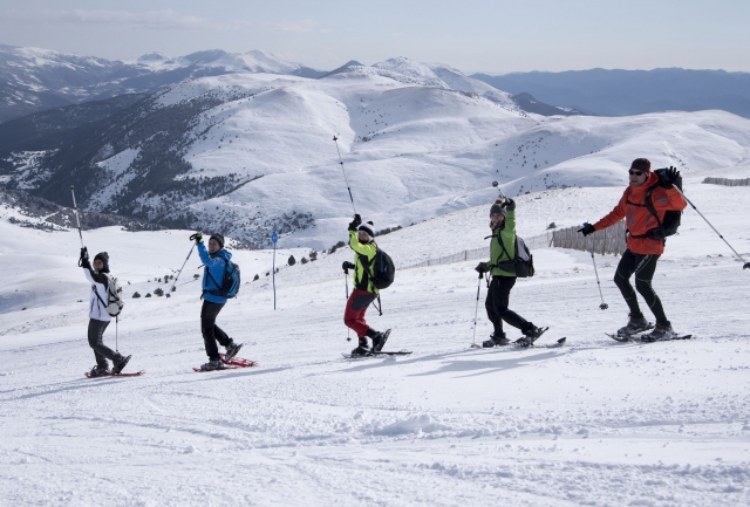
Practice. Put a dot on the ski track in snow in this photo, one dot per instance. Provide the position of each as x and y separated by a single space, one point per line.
594 422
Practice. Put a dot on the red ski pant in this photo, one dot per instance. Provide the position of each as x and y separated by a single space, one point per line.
356 307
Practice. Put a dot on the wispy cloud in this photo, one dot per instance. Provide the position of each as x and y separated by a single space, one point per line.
164 19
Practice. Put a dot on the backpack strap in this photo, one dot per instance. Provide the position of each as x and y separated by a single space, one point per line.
367 266
96 292
498 263
217 286
648 203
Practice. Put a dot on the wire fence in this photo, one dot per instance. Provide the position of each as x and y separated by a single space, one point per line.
728 182
608 241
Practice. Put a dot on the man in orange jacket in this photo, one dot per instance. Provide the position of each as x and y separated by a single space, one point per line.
645 243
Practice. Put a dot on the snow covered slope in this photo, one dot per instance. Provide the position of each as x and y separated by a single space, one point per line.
591 423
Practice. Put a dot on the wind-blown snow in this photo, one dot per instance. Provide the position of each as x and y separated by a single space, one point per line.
592 423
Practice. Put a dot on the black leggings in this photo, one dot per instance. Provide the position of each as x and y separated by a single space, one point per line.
101 351
644 267
496 304
211 332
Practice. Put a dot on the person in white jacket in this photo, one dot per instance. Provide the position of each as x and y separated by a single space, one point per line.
98 316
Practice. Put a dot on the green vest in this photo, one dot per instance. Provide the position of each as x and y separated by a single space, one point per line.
507 235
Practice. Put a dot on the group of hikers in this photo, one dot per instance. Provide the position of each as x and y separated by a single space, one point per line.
644 203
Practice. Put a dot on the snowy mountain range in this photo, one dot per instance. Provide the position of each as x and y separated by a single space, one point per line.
35 79
231 151
593 422
618 92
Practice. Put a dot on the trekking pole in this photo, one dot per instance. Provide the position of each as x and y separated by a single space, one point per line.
75 211
745 265
341 161
346 285
174 284
117 318
476 312
604 305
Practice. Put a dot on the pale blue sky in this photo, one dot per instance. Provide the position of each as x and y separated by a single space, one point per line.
493 36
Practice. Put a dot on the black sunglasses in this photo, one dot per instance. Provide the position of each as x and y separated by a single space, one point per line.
635 173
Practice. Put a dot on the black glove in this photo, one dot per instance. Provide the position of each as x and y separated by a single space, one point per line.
355 223
510 204
587 229
655 233
669 177
197 237
482 268
84 262
84 253
346 266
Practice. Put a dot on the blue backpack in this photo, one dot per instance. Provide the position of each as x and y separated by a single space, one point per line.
230 282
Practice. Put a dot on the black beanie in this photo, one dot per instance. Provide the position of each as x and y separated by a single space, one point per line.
219 239
104 257
496 208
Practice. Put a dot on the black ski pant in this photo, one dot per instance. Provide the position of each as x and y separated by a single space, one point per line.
211 332
101 351
496 304
644 267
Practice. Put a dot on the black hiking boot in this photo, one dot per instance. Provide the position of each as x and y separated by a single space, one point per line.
660 332
379 340
636 324
496 340
363 349
530 335
232 350
98 371
119 363
213 364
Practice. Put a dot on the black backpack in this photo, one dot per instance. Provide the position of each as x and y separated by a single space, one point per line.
522 264
383 269
672 218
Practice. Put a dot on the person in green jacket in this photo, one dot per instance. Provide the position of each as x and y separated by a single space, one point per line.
500 267
362 241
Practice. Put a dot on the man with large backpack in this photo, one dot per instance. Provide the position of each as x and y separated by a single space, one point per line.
216 261
644 205
502 268
99 315
362 241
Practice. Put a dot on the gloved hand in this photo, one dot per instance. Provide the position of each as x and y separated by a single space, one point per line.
669 177
655 233
482 268
587 229
355 223
510 204
83 260
197 237
346 266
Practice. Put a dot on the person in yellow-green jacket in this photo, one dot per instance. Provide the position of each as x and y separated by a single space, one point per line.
500 266
362 241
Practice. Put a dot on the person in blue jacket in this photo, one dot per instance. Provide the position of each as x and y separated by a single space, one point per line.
215 260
